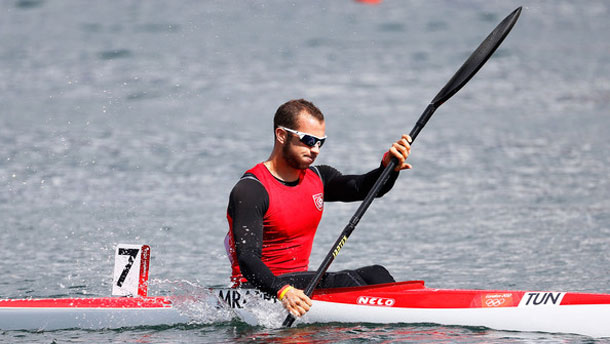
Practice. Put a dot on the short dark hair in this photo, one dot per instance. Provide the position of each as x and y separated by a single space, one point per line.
287 114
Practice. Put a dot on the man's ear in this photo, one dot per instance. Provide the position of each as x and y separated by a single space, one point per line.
281 135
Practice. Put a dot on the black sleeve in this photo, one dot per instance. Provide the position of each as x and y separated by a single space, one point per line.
349 188
248 204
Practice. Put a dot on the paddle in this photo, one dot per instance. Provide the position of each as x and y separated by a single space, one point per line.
472 65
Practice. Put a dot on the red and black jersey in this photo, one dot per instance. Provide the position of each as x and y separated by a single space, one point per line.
272 223
289 222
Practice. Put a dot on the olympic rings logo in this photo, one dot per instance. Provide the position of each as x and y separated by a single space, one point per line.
494 302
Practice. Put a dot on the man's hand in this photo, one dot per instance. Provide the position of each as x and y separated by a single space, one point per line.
296 302
400 149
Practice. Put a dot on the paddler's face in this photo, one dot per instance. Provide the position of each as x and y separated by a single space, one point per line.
297 154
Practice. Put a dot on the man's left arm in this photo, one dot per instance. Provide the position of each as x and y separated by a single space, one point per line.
348 188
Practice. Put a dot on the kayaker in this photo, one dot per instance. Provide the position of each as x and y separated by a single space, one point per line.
275 208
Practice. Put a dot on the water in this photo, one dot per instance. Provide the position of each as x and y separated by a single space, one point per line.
130 122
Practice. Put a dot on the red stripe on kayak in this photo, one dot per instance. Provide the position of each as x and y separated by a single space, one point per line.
101 302
431 298
585 299
413 294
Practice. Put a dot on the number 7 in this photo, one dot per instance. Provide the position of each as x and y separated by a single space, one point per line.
132 253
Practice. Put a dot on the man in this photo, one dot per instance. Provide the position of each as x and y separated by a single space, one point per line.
275 208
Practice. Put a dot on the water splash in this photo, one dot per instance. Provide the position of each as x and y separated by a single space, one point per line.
261 311
199 304
208 305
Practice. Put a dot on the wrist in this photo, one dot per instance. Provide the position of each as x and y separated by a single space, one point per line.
385 160
282 292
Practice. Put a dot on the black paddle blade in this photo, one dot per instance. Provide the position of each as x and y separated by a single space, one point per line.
477 59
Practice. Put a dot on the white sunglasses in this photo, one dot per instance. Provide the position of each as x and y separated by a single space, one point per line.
307 139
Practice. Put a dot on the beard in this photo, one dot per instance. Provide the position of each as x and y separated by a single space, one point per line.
293 159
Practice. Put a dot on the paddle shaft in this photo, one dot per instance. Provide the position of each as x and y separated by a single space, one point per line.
353 222
474 62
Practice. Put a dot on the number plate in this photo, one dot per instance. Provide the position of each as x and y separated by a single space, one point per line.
131 270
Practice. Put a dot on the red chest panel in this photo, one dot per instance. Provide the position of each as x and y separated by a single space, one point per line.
290 223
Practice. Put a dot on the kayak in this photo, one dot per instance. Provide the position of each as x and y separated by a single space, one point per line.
409 302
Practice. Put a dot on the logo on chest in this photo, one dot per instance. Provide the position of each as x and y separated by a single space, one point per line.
318 200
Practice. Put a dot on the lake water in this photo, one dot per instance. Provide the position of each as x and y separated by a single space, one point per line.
129 122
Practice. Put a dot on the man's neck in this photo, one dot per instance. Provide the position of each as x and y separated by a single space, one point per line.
281 170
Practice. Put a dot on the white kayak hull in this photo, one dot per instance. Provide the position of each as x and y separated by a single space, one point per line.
589 320
87 318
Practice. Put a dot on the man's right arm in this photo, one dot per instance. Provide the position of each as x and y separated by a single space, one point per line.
248 204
